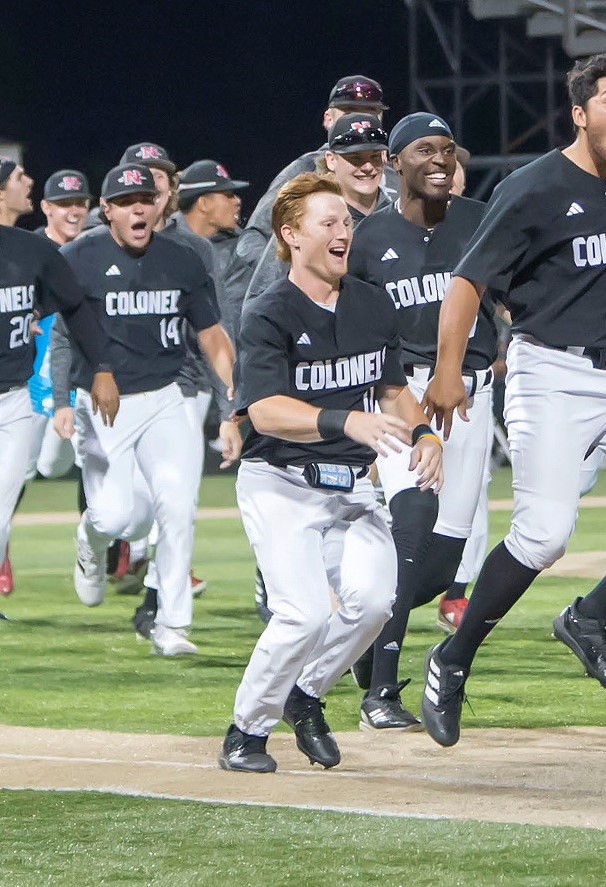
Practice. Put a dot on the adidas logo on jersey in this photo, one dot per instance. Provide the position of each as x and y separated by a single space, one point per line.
575 209
304 340
390 254
112 270
392 645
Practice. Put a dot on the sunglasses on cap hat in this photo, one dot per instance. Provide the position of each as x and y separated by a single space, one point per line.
361 138
357 91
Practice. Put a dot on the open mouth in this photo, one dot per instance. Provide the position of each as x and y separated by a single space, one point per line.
438 178
138 227
338 251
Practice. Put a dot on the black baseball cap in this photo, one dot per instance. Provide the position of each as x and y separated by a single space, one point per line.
355 133
207 177
128 178
415 126
148 154
66 183
351 92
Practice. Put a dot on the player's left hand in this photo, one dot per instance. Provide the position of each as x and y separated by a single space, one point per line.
231 440
105 397
426 458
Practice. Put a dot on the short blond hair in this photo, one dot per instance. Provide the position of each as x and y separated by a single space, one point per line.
289 207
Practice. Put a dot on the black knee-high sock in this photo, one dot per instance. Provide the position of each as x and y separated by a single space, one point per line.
439 567
414 514
593 605
456 591
502 581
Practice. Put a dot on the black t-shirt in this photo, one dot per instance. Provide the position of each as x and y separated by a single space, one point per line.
543 243
414 266
33 276
289 345
141 300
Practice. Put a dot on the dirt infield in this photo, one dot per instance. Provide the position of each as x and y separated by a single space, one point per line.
541 777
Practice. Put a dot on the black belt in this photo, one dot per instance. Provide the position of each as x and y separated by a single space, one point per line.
596 355
409 370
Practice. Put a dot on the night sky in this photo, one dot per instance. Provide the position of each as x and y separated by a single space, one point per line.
243 82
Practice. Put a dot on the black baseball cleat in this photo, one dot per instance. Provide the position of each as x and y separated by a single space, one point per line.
144 620
305 714
245 753
443 698
361 670
585 637
382 709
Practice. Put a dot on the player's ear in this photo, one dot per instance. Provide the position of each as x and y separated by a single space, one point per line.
289 235
329 159
579 118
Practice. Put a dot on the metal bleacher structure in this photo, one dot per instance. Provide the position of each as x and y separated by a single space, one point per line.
496 70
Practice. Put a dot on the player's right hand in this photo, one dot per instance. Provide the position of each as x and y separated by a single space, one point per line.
445 394
63 422
105 397
380 431
426 458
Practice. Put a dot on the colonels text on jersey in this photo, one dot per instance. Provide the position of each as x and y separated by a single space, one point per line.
414 266
337 366
143 315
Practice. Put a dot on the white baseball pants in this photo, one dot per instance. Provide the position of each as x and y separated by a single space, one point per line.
306 642
49 454
464 457
15 438
151 433
555 410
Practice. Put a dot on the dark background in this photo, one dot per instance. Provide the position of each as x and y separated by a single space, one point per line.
241 82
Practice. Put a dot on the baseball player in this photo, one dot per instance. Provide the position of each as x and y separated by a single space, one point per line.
65 204
355 156
410 250
143 285
542 243
34 277
314 351
353 93
15 192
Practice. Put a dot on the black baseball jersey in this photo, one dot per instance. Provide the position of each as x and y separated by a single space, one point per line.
543 243
414 265
289 345
141 300
33 276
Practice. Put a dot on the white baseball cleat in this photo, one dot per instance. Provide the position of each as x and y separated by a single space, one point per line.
90 574
171 641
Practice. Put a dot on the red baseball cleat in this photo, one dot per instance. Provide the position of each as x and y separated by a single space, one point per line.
451 612
6 577
197 585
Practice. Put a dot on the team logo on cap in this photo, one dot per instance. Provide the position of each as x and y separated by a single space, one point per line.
436 122
70 183
148 152
360 125
221 171
131 177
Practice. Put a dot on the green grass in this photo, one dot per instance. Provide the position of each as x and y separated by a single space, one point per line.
108 840
69 666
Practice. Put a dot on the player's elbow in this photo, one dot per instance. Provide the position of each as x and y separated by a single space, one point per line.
262 417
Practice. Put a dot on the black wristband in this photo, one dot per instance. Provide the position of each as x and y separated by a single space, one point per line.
331 423
419 431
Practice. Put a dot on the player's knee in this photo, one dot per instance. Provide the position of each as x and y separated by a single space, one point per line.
106 522
540 549
368 604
